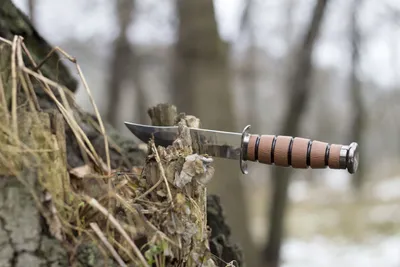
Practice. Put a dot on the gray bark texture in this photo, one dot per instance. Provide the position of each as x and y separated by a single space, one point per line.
24 240
27 235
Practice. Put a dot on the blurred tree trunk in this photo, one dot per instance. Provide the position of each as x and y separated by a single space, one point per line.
31 8
124 67
358 111
201 86
250 69
289 21
297 100
119 60
141 103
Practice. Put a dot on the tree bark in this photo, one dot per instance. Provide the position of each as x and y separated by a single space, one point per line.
24 236
298 94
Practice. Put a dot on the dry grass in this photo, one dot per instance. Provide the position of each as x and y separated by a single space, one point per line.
125 206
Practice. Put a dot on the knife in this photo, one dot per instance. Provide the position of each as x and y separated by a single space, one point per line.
278 150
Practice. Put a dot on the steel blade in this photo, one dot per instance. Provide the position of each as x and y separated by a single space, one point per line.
214 143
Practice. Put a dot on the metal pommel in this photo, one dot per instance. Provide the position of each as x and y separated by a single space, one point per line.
349 157
352 158
243 149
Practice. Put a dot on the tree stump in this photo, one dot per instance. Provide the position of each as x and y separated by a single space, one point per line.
219 240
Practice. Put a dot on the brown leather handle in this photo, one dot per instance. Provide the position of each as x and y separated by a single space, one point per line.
301 153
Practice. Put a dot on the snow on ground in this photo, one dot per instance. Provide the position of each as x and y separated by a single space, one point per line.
325 228
388 189
323 252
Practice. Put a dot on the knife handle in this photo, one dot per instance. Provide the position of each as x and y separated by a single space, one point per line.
300 153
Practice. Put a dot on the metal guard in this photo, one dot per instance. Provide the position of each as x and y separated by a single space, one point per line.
243 151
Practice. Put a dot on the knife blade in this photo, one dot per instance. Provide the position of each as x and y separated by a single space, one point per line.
277 150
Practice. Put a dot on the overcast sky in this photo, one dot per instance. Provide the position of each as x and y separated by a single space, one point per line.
58 20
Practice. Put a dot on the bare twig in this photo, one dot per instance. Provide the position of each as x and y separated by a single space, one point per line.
93 202
85 85
74 126
32 92
25 80
100 234
149 190
163 235
14 86
129 207
26 89
63 98
124 249
45 59
19 51
154 149
103 130
81 145
5 41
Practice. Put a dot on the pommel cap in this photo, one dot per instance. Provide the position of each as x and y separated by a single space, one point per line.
352 158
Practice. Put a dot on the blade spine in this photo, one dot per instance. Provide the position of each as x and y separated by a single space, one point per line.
151 126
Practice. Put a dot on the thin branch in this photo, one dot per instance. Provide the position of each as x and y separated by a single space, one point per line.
93 202
102 128
154 149
103 131
129 207
149 190
14 86
100 234
6 41
74 126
